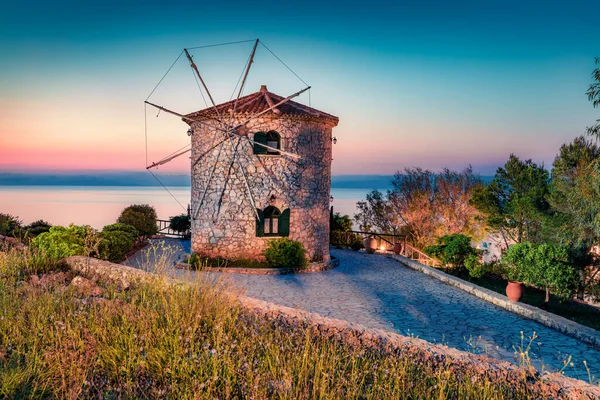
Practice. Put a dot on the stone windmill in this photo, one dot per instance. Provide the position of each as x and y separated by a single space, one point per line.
260 169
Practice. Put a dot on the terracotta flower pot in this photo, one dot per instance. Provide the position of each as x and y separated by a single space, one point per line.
370 245
398 247
514 291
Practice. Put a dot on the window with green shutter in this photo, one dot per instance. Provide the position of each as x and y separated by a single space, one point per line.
260 224
260 137
272 222
284 223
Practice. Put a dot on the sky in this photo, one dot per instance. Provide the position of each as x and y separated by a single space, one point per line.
414 83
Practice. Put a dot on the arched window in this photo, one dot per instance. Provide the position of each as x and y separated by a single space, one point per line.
271 139
272 222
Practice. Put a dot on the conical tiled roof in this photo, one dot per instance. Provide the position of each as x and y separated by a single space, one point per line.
254 103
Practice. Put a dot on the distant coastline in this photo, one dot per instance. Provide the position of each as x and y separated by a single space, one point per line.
173 180
139 179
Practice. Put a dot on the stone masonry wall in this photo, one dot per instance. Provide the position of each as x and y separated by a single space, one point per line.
223 218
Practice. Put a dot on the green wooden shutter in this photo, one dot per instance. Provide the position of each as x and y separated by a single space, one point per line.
260 224
284 223
260 137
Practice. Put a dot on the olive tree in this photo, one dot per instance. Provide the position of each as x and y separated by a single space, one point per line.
543 265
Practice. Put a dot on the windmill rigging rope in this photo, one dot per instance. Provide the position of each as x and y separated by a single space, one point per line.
168 191
165 75
221 44
291 70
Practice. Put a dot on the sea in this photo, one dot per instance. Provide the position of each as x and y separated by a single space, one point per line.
101 205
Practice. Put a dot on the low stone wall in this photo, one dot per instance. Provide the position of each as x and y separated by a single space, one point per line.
462 364
561 324
312 267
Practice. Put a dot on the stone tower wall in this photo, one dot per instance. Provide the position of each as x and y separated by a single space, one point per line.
225 224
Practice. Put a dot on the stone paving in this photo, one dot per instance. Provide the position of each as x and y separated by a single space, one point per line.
379 292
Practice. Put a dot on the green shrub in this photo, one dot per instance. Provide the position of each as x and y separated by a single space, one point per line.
453 250
114 245
285 253
119 227
180 223
60 242
142 217
356 242
36 228
10 225
474 266
545 266
198 262
337 238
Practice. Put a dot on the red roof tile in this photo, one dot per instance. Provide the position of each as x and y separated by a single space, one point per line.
256 102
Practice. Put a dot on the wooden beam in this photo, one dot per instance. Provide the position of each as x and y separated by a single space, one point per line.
195 68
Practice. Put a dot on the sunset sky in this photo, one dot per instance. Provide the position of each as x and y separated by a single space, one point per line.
419 83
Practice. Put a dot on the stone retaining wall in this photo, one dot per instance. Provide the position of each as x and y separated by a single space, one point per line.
462 364
561 324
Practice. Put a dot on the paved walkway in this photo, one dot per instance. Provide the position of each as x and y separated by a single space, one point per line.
379 292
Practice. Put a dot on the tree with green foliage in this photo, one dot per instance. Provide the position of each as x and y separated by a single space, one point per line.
285 253
543 265
593 94
515 203
341 222
142 217
575 201
119 227
180 223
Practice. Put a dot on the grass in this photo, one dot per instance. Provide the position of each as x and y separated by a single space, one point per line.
571 309
193 341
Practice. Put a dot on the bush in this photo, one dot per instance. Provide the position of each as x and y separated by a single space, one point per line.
545 266
474 266
197 262
36 228
142 217
60 242
356 242
285 253
9 225
453 250
119 227
180 223
114 245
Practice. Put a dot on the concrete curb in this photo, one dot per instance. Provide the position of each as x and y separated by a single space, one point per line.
585 334
312 267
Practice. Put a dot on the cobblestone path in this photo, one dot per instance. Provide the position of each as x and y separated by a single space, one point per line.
379 292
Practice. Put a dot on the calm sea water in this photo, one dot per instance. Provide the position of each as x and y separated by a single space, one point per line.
101 205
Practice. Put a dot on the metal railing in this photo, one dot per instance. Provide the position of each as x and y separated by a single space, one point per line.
385 243
164 228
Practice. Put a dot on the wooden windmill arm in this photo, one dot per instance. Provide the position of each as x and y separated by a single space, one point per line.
166 160
183 116
274 149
